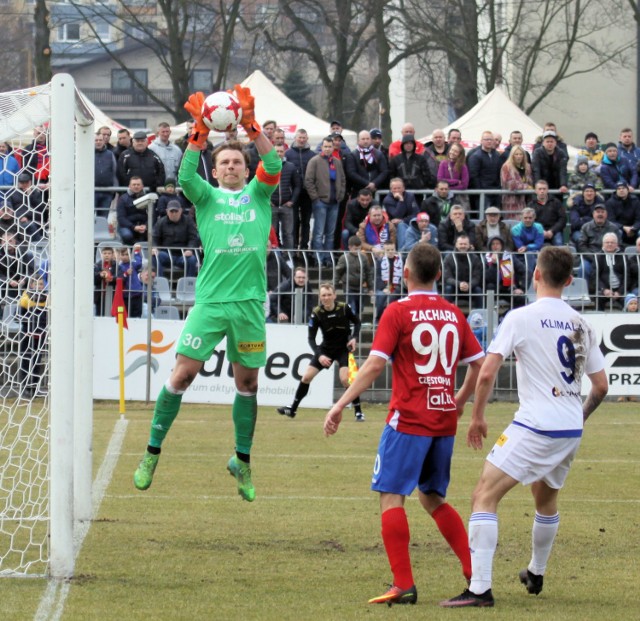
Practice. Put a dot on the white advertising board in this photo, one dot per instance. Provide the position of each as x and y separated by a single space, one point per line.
288 355
619 339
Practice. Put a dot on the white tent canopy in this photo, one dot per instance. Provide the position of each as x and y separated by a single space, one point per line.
272 103
497 113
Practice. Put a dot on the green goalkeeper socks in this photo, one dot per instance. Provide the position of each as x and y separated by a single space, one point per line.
245 413
164 413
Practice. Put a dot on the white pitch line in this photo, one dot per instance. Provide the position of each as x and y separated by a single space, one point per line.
52 603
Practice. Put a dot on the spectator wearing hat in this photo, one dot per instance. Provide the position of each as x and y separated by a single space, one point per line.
401 206
615 168
420 230
376 141
623 209
549 162
105 167
591 235
627 148
395 148
591 151
412 168
581 211
175 240
584 175
561 144
630 304
140 161
366 167
169 193
492 225
339 144
169 153
550 213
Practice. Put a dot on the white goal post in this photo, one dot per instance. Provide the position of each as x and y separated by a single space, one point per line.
46 431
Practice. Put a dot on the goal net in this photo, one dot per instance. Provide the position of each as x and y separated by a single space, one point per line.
43 132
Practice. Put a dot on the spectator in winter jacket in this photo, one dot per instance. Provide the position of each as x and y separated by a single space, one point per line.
357 211
375 230
462 275
9 169
389 278
420 230
169 193
615 168
492 226
281 301
484 170
591 236
439 203
175 240
581 210
438 146
401 206
628 150
142 162
411 167
104 274
395 148
549 162
528 239
583 175
34 158
366 167
284 200
325 183
169 153
623 209
504 273
591 151
515 174
299 154
610 275
453 226
355 274
124 142
132 222
550 213
454 170
105 166
129 270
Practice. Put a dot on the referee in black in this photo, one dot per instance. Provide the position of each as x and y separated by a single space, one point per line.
340 327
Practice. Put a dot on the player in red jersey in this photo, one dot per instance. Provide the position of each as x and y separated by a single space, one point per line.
425 337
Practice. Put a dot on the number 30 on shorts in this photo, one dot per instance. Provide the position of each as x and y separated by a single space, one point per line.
192 341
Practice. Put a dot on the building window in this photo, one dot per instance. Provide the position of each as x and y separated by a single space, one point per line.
103 31
120 80
133 123
69 32
201 80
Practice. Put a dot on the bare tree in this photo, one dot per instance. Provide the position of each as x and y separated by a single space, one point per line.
42 55
182 36
531 47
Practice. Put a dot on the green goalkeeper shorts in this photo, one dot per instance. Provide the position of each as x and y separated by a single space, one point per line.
241 322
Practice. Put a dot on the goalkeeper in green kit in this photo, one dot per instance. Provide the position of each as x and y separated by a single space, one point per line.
234 221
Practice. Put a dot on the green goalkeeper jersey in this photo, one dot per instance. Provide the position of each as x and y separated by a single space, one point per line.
234 228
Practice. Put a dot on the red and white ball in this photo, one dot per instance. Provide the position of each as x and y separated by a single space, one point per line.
221 111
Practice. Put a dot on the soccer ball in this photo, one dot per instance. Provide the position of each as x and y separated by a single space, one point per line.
221 111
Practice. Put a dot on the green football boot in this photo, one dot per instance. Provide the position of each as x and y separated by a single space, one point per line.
242 472
143 476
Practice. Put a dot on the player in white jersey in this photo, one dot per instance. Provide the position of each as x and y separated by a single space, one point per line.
554 347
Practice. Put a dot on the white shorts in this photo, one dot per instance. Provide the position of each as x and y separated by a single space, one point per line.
527 456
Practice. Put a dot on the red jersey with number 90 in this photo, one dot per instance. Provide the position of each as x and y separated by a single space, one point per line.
425 337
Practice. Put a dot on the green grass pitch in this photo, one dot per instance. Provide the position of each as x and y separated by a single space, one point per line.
309 547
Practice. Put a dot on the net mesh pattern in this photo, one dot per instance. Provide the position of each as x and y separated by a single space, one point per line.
24 337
